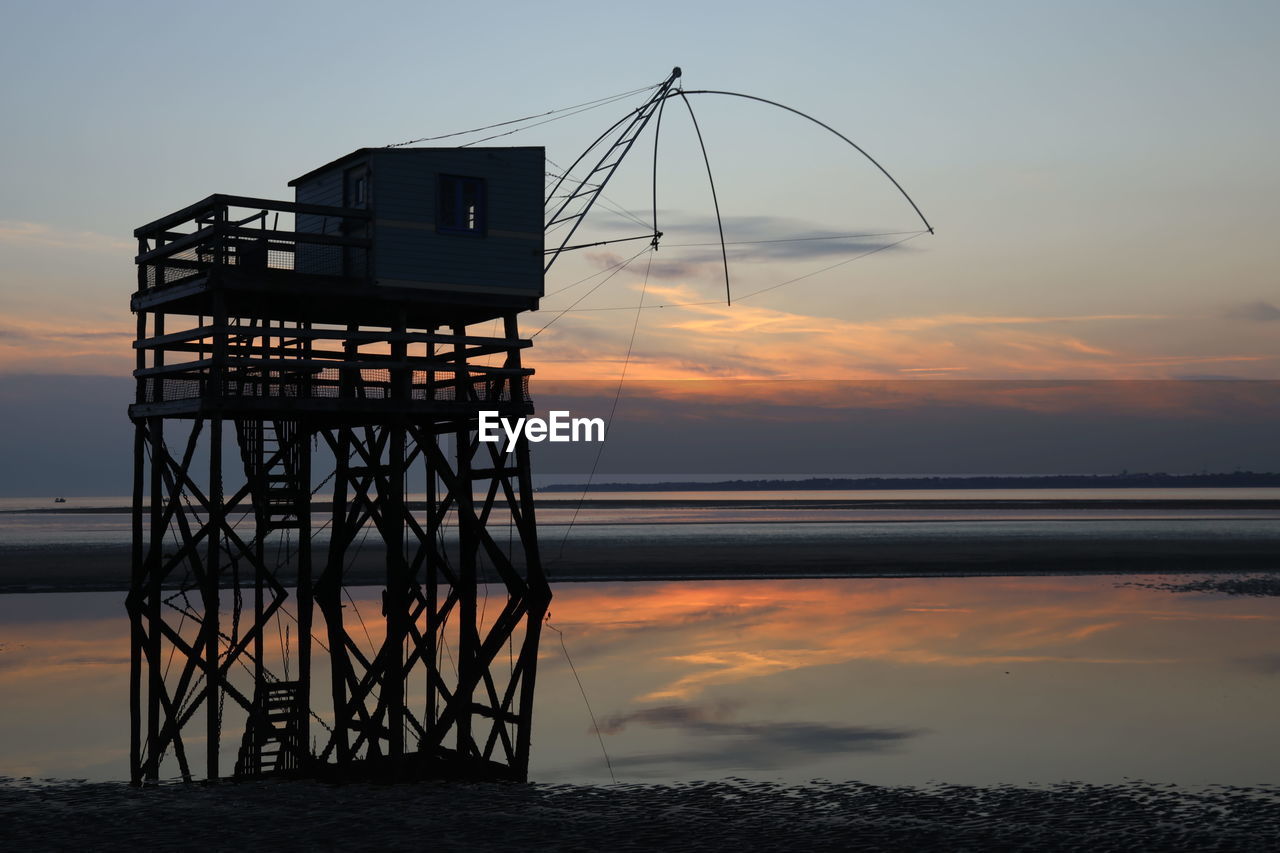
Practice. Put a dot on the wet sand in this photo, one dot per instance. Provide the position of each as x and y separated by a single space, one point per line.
591 556
598 551
730 815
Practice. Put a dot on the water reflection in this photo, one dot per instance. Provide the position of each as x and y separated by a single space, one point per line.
967 680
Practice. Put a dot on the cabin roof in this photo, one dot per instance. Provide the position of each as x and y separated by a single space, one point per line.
361 152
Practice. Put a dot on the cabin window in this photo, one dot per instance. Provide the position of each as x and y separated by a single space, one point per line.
461 207
355 186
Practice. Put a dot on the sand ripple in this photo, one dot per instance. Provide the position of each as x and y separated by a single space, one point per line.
726 815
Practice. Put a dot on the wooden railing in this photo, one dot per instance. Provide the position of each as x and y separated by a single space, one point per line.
224 231
243 379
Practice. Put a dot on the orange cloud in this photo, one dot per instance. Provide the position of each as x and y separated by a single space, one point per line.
16 233
790 400
42 347
702 634
693 338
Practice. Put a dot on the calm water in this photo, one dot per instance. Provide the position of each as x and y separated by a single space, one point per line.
974 680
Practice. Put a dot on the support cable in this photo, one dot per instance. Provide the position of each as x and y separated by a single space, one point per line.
639 117
539 123
609 204
593 275
281 546
616 270
595 725
373 649
606 166
599 102
653 238
635 326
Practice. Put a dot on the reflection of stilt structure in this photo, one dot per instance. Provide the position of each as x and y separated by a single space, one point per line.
339 356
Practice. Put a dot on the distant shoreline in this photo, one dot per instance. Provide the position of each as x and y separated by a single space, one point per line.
573 499
1236 479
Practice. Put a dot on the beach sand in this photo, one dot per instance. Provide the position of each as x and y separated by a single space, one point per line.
730 815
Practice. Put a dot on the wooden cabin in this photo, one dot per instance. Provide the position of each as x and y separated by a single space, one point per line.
463 223
392 253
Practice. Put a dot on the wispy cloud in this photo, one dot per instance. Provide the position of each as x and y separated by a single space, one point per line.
1258 311
685 335
729 743
695 239
18 233
1268 664
30 346
48 333
803 626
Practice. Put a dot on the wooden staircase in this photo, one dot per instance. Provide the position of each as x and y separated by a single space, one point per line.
270 452
273 738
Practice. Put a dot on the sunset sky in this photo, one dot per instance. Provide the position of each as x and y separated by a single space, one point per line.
1101 176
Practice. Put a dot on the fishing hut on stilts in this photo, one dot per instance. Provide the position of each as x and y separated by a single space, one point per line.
309 381
309 374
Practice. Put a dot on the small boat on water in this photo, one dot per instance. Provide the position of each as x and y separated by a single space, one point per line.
59 500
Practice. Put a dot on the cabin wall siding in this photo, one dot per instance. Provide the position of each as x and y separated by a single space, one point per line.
403 184
324 188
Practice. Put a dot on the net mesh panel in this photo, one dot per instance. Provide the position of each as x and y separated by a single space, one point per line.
272 251
328 383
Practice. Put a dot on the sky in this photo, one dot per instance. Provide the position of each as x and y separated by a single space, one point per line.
1101 176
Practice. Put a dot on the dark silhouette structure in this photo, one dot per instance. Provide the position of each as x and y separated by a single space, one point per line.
348 350
309 375
336 351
